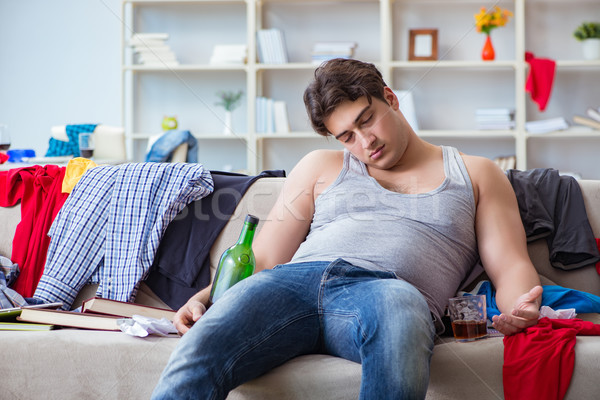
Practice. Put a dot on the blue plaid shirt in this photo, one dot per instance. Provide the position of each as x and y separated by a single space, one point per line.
109 228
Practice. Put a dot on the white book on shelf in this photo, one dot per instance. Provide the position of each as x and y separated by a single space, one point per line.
151 49
150 35
407 107
495 111
593 113
546 125
270 119
333 47
260 114
264 46
282 124
280 47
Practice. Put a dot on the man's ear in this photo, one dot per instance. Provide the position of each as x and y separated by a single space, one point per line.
391 98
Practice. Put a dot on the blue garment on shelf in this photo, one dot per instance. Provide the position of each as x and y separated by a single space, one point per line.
162 149
58 148
554 296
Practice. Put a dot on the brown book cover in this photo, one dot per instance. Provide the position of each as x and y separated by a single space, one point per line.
99 305
69 318
578 119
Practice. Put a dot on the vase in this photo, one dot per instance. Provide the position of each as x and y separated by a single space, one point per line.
228 130
591 49
488 54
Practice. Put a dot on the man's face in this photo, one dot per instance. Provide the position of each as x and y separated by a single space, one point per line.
372 132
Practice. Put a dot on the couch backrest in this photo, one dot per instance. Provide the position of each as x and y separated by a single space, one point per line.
261 196
258 201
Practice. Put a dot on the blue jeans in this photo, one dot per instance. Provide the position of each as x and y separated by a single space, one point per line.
334 308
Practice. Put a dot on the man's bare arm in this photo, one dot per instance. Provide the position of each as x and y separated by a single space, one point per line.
503 247
282 233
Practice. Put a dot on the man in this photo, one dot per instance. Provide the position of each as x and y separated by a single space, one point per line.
360 254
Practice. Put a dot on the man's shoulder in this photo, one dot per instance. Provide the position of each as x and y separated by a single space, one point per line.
317 169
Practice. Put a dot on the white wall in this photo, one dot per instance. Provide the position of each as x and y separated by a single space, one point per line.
59 64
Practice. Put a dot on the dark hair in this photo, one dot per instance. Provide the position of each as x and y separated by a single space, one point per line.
336 81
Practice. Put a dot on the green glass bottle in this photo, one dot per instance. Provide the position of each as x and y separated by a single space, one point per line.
237 262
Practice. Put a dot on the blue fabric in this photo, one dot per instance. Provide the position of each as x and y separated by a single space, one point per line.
162 149
109 228
303 308
59 148
554 296
8 274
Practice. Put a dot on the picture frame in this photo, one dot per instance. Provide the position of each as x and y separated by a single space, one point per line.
423 45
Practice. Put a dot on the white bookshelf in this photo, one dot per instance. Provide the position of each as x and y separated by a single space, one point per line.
446 91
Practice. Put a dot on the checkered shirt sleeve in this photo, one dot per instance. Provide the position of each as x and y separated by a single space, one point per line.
110 227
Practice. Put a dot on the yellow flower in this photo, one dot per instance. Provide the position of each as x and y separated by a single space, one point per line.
486 20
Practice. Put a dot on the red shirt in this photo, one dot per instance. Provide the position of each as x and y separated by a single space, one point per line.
39 190
538 362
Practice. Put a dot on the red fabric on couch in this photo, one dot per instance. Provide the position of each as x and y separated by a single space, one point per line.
39 190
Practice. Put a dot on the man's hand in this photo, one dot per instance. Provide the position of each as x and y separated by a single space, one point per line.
524 314
188 314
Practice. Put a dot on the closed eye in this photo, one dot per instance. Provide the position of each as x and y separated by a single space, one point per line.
347 137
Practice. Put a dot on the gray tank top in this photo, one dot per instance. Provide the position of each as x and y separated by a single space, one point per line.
427 239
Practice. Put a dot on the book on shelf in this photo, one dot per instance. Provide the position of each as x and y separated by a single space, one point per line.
150 35
70 319
589 122
593 113
495 111
506 162
229 54
271 46
495 118
24 326
152 49
546 125
115 308
324 51
407 107
271 116
280 115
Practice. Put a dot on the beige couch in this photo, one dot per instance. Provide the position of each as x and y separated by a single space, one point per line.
79 364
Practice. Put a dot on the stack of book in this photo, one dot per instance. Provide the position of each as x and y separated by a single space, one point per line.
591 119
152 49
271 46
323 51
495 118
96 313
546 125
271 116
229 54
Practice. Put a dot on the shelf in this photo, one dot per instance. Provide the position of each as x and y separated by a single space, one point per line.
571 133
186 67
199 136
490 65
446 92
479 134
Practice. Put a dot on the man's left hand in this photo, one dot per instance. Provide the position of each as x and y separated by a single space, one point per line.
524 314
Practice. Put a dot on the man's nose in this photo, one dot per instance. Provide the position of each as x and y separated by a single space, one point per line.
366 138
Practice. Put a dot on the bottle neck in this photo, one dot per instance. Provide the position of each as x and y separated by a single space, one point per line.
247 234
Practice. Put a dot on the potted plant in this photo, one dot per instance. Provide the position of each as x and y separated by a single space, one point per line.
229 101
588 33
